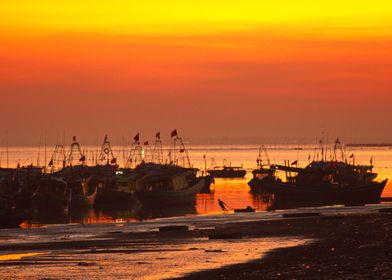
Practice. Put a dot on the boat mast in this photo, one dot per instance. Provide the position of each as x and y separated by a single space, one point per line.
6 147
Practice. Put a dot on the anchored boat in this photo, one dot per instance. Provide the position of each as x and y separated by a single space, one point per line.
321 182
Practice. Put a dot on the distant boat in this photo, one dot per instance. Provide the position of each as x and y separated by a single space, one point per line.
227 172
370 145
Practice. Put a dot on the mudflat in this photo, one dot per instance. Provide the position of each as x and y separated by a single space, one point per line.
335 246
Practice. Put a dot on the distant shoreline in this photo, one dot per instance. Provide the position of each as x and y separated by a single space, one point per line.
370 145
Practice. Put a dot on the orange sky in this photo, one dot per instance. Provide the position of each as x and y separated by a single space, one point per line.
258 69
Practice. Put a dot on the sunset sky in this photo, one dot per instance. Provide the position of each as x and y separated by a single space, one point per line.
211 69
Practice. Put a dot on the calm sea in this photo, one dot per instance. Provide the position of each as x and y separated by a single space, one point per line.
235 192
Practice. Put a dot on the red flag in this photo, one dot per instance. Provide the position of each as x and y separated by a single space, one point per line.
50 162
352 155
174 133
294 162
136 138
74 138
182 150
83 158
145 143
158 135
114 160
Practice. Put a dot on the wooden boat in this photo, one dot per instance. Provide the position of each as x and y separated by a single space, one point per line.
227 172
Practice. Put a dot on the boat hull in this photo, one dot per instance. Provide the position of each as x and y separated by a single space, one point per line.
157 198
209 180
355 195
13 218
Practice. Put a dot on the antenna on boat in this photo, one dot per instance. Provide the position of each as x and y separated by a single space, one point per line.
1 150
6 147
135 155
205 163
106 155
259 159
157 152
58 159
76 154
39 152
182 151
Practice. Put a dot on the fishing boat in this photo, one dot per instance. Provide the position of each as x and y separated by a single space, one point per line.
262 172
325 183
156 184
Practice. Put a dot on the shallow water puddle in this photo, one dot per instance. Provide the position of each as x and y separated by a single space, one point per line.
165 261
13 257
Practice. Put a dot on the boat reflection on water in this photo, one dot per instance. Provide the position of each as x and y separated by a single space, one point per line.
91 215
267 202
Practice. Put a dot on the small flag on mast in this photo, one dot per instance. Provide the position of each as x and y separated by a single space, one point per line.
294 162
145 143
352 156
136 138
158 135
174 133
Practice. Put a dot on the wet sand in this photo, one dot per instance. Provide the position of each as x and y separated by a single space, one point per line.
339 244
